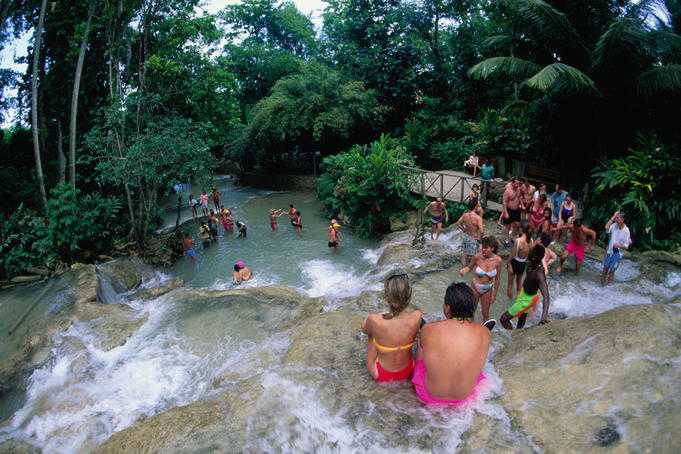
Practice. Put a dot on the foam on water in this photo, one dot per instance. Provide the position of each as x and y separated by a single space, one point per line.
84 394
586 297
332 280
372 255
258 280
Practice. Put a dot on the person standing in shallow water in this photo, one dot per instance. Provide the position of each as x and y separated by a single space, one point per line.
577 244
333 234
297 221
203 198
516 264
392 335
274 218
473 228
620 240
528 297
241 273
451 352
437 209
487 267
216 199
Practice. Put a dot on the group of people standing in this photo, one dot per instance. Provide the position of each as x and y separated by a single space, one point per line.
448 363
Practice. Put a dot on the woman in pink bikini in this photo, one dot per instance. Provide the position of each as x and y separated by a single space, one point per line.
392 335
452 352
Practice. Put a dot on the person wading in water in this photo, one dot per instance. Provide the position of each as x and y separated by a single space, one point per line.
437 208
487 267
473 228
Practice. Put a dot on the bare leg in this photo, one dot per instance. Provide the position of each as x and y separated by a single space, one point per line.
485 303
509 287
521 321
518 282
564 256
505 320
578 265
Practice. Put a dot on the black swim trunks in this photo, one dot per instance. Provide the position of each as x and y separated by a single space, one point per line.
333 243
513 216
517 266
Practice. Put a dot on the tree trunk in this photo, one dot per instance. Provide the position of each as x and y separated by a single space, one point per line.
60 153
37 42
74 96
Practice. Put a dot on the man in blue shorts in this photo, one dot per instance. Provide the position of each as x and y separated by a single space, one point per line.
620 239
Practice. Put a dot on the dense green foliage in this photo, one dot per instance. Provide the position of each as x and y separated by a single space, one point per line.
168 92
368 184
636 185
74 224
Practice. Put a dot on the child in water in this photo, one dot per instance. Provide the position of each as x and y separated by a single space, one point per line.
241 227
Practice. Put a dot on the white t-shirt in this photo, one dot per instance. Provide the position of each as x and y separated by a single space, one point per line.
618 235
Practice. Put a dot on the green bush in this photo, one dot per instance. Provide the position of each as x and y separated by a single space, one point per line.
22 242
368 184
73 224
645 185
79 223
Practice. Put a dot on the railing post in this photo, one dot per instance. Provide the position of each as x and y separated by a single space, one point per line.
463 179
423 183
442 186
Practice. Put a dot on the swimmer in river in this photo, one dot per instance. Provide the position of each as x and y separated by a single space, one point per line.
291 212
297 221
333 234
241 273
274 215
485 285
451 352
241 227
204 234
528 297
437 208
392 335
188 247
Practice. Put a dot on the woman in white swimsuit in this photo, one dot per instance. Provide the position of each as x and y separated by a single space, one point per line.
487 267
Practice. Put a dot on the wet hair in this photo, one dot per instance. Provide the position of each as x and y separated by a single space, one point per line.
547 210
491 242
236 268
531 285
577 223
527 230
461 301
397 294
535 257
545 240
472 204
298 213
290 205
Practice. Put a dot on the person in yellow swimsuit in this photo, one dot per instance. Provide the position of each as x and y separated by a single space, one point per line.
392 335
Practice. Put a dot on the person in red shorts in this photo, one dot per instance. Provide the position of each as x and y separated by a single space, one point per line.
392 335
577 245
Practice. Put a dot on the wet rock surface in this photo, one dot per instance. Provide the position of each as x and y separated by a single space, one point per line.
125 273
586 382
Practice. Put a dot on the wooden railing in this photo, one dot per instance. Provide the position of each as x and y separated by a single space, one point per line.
445 186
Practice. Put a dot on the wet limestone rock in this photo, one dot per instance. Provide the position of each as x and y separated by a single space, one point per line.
125 273
147 294
590 383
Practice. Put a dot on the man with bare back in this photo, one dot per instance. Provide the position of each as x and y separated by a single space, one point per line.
473 229
437 208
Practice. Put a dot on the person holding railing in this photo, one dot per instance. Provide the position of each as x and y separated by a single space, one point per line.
472 162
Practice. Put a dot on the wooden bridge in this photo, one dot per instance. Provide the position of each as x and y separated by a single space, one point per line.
447 184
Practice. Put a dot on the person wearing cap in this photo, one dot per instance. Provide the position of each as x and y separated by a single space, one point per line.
241 272
620 239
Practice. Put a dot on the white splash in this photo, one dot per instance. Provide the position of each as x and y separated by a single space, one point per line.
333 280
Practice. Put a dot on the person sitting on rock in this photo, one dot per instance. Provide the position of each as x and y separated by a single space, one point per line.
452 352
391 335
241 273
534 284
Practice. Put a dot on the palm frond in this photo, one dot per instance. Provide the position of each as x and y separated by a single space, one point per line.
547 21
663 79
624 37
497 41
563 77
508 66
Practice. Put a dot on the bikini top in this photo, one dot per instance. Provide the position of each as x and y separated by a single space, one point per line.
482 273
391 349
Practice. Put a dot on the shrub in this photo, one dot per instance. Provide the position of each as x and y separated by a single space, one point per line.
644 184
368 184
22 242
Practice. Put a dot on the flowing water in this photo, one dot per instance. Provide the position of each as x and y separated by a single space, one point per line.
193 347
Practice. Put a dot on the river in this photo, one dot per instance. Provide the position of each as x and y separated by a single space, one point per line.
249 352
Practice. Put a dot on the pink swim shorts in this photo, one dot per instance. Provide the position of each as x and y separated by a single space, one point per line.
577 249
419 382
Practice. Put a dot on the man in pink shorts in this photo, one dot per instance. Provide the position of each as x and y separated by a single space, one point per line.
577 244
452 352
